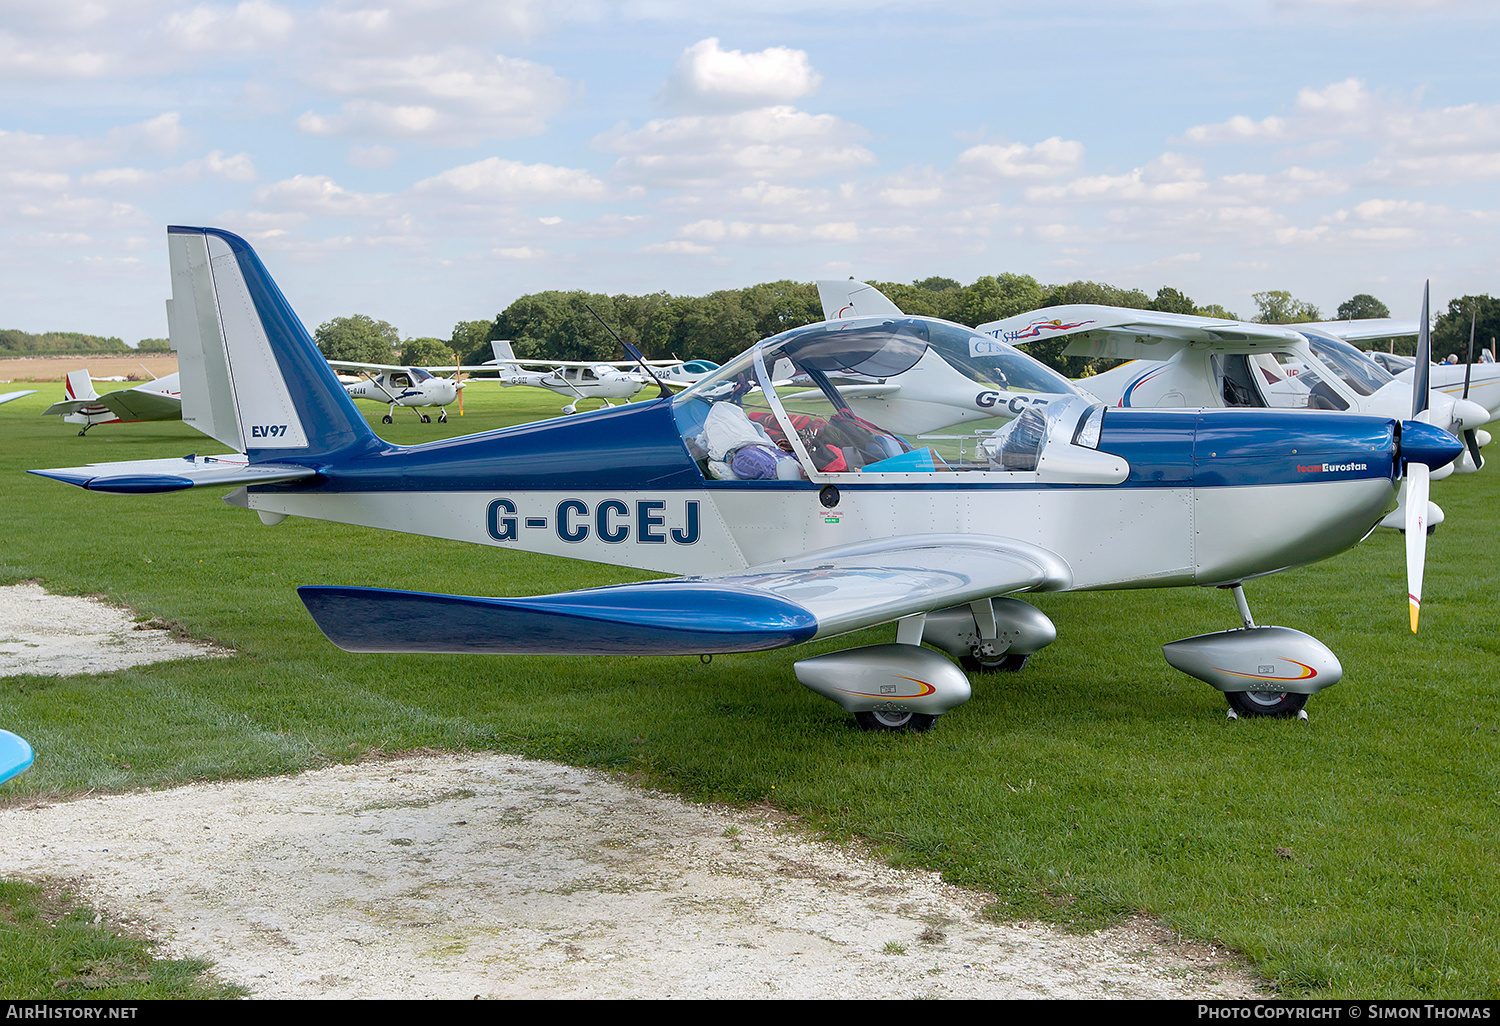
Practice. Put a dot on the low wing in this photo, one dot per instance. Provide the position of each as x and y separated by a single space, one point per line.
8 396
134 477
1125 334
140 404
772 605
65 407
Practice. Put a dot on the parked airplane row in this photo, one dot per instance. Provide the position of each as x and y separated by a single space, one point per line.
838 476
397 386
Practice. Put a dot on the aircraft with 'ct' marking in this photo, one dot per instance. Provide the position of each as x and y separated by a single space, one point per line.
786 515
1179 360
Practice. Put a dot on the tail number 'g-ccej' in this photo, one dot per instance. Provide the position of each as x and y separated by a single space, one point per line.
609 520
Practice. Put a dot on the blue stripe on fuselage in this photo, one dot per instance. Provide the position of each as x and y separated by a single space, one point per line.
638 446
626 447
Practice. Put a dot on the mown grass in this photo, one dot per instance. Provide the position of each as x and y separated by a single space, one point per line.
53 946
1350 855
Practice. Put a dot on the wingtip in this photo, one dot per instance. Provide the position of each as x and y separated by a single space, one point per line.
1416 610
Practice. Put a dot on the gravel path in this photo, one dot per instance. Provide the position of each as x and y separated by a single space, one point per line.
493 876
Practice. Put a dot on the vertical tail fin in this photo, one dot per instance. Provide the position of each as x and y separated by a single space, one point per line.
505 356
251 375
79 385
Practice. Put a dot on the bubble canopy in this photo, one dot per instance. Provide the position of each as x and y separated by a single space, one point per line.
888 347
865 395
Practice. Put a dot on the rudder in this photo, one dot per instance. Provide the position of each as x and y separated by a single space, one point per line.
251 375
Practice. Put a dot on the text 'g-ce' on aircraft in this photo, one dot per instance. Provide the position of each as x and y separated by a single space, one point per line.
403 386
790 519
159 399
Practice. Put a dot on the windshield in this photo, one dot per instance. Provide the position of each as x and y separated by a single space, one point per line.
874 394
1354 368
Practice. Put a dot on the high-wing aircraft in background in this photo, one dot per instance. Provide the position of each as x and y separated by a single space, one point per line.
792 519
1178 360
575 379
952 384
403 386
159 399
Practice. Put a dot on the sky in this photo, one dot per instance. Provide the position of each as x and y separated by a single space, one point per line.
429 161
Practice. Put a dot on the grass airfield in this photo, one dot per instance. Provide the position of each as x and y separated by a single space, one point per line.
1353 855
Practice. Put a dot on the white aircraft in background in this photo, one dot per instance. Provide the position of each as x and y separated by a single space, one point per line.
159 399
960 379
577 379
404 386
1179 360
1477 381
849 525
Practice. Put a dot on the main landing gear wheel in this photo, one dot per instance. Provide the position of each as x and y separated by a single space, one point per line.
426 419
443 417
993 664
894 721
386 419
1266 703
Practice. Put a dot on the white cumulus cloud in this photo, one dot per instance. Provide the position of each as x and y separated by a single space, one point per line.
768 143
709 78
247 26
497 179
455 96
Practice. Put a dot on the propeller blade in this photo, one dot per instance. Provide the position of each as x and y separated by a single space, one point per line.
1421 379
1416 535
1471 439
1469 366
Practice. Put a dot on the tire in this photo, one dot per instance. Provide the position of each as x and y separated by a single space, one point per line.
386 419
1266 703
998 664
426 419
893 722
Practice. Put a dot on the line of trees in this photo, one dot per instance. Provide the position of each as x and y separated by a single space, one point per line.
562 325
57 343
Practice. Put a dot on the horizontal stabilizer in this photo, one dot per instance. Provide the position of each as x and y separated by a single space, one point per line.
133 477
769 606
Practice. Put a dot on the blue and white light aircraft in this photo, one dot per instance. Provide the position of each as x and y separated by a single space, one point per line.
789 519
